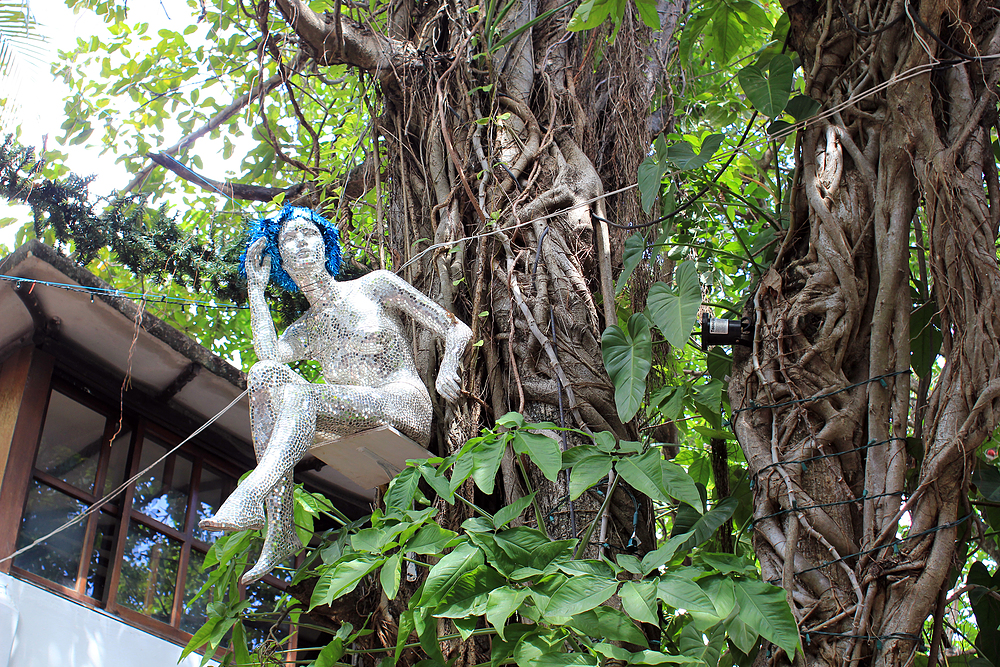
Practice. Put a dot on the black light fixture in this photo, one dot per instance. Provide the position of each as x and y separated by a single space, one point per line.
716 331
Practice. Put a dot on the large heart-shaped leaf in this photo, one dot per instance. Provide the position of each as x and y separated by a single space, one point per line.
768 88
674 312
628 356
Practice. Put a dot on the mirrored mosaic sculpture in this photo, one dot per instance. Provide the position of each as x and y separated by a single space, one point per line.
355 331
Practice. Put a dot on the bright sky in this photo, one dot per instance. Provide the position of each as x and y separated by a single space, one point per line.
42 114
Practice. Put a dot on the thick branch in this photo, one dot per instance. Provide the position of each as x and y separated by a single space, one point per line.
355 183
233 190
214 122
360 48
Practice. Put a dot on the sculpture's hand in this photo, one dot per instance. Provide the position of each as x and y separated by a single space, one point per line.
258 267
448 382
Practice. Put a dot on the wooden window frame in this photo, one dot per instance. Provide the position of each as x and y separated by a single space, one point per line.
37 370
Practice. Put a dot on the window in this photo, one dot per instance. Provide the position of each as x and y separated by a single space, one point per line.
140 555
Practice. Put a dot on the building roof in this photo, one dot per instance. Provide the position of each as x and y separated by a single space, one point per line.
120 339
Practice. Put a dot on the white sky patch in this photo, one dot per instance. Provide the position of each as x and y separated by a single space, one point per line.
43 101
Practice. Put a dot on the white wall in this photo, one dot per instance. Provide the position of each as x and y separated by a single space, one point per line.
53 631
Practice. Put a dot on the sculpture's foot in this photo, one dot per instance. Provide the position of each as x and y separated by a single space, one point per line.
278 545
237 513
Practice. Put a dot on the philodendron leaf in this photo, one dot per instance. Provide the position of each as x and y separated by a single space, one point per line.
579 594
801 107
651 172
543 450
644 475
447 571
628 356
510 512
587 472
764 608
682 155
609 624
672 311
635 247
639 600
681 593
768 88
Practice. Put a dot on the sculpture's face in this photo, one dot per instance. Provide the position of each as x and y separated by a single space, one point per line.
301 245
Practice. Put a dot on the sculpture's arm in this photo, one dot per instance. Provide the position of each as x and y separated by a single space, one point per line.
266 343
456 334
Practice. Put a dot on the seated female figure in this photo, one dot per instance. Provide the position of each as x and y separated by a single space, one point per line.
354 331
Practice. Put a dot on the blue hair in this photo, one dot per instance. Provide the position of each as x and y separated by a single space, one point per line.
270 227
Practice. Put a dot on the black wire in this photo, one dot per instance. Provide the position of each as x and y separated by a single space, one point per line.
964 56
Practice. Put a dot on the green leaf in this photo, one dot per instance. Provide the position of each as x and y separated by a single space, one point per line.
431 539
446 572
681 593
590 14
647 10
925 338
503 602
651 173
707 647
719 363
679 485
608 623
768 89
468 596
330 654
543 450
643 474
635 248
389 576
486 461
587 472
342 579
601 568
763 607
987 481
682 155
426 628
239 644
303 519
200 638
705 526
628 358
674 312
511 420
578 594
639 601
510 512
801 107
519 543
403 489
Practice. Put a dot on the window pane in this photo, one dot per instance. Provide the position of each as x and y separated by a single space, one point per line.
212 490
100 559
195 613
262 614
162 493
118 461
148 572
58 558
71 442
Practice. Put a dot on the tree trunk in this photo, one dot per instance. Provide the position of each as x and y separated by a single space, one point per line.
822 401
500 169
